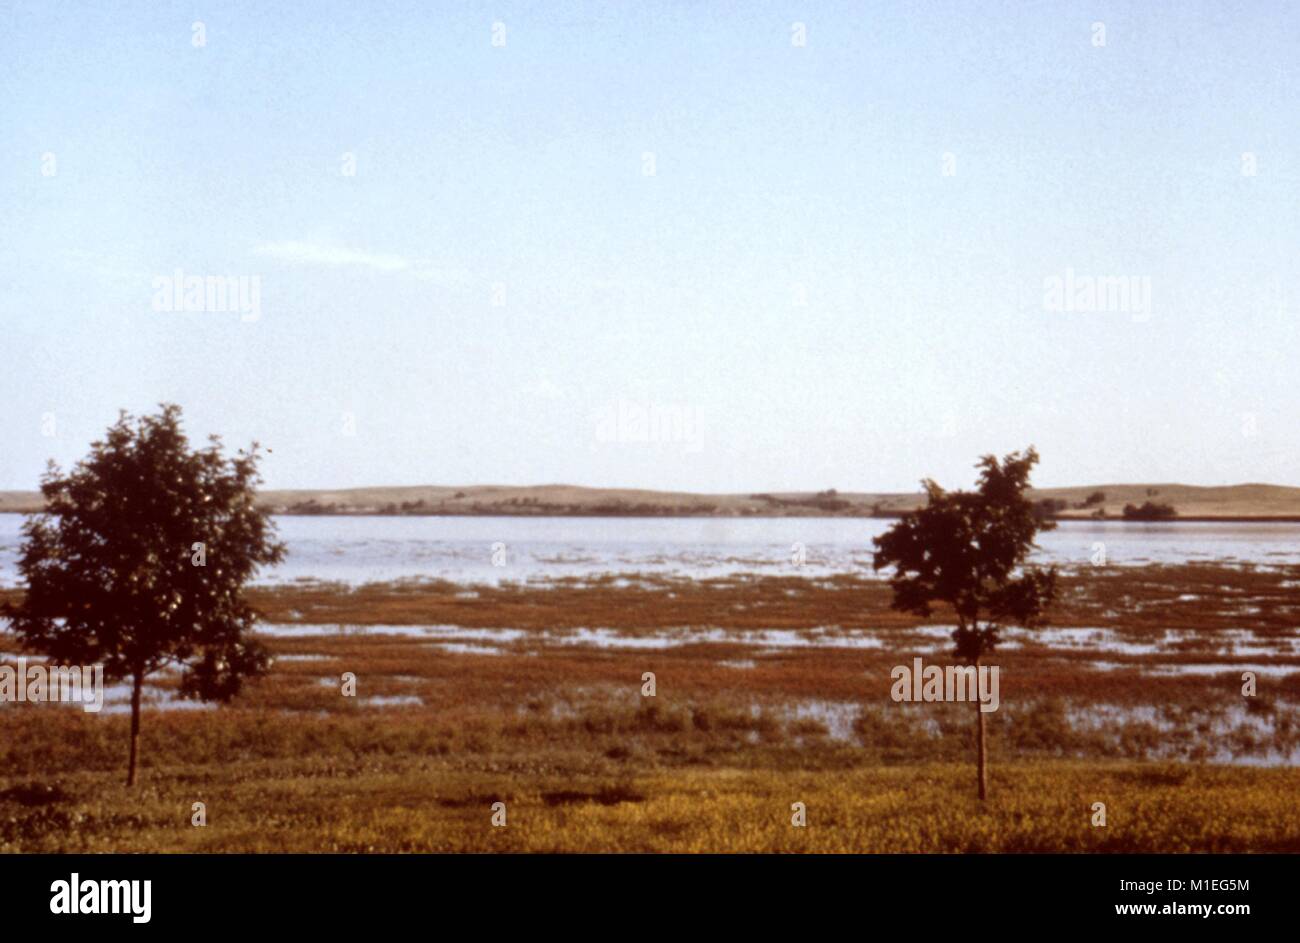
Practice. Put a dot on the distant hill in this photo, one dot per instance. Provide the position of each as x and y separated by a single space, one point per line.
1190 501
1250 501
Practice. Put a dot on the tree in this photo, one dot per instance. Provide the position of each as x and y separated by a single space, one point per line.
1149 511
140 558
1048 508
967 549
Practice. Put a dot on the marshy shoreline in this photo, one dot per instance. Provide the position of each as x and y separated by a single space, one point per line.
770 690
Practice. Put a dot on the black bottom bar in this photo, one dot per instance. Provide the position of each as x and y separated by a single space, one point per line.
1222 893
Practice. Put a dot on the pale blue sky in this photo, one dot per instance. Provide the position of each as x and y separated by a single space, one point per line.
782 174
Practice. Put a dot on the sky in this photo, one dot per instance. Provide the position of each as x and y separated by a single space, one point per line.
705 246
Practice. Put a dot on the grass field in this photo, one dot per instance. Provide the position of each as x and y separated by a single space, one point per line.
385 804
770 691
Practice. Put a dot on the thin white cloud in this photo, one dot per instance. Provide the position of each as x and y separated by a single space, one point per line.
297 252
310 253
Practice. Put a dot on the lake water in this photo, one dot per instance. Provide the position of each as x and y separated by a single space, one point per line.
462 549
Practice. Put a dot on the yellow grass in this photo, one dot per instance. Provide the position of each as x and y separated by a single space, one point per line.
426 805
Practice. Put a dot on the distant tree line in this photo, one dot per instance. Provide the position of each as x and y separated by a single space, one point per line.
828 500
1149 511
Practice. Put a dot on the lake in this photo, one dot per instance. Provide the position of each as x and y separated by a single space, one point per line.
462 549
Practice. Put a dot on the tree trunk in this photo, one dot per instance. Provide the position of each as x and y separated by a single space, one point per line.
980 744
135 728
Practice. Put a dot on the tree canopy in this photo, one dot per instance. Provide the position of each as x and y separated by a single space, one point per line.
140 558
968 549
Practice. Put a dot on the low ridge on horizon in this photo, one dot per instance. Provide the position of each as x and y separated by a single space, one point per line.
1253 500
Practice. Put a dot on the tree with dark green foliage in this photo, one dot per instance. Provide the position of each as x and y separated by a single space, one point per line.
139 562
1048 508
967 549
1149 511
